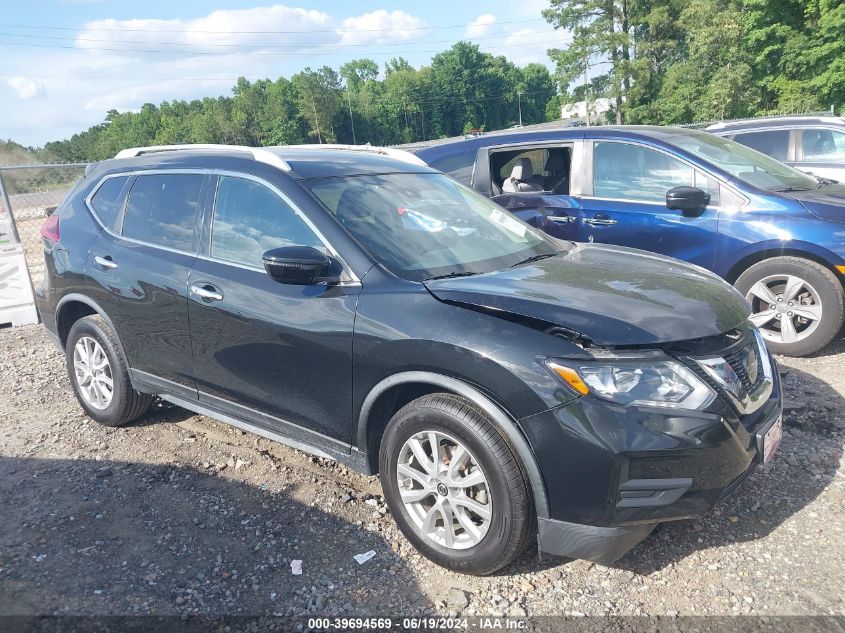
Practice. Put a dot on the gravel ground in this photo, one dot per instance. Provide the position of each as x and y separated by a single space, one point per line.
178 514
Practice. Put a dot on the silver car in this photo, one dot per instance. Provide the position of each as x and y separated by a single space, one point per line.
814 144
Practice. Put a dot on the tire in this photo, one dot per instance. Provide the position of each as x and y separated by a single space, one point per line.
125 404
821 290
488 544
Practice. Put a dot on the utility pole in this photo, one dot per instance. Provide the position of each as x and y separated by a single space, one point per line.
351 118
519 101
586 92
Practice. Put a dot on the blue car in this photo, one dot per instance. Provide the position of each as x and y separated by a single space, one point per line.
775 233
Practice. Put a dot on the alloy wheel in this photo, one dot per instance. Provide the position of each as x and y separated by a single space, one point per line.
93 373
444 490
785 308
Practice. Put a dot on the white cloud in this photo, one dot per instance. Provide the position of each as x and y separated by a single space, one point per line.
528 46
480 25
26 88
255 27
381 27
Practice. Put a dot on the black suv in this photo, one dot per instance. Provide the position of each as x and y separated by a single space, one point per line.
361 306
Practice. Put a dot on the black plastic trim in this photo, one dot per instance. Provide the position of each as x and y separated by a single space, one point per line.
652 493
588 542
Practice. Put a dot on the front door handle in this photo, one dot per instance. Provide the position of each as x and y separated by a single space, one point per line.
600 220
106 263
207 292
562 219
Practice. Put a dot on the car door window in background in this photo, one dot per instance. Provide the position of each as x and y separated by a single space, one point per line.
162 210
774 143
250 219
549 167
823 145
104 202
623 171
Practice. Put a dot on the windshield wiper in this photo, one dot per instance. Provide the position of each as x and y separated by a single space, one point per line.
533 258
465 273
824 182
790 189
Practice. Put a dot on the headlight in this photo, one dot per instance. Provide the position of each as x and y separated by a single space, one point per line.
651 382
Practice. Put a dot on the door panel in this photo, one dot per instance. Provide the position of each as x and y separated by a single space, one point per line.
140 272
281 349
557 215
628 206
284 350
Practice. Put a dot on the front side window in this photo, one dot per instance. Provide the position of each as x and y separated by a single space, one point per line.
251 219
420 226
162 210
623 171
774 143
104 201
823 145
740 162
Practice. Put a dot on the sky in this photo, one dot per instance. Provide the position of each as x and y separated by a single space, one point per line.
65 63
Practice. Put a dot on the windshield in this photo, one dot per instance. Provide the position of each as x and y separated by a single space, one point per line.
421 226
743 162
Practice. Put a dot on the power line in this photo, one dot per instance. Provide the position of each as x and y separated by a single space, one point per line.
226 32
251 53
254 46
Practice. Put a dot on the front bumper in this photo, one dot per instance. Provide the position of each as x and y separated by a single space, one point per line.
612 474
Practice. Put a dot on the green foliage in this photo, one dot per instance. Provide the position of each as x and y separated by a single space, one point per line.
679 61
462 87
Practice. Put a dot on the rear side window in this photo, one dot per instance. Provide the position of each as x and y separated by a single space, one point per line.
774 143
162 210
250 219
104 201
458 166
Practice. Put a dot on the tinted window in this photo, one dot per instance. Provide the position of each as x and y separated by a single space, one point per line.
162 209
632 172
250 219
458 166
774 143
104 201
823 145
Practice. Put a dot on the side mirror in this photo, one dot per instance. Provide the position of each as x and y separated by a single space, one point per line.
689 200
300 265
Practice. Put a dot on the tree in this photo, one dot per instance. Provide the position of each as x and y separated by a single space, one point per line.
601 32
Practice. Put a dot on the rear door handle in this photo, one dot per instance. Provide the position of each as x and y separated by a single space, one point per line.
206 292
600 220
105 262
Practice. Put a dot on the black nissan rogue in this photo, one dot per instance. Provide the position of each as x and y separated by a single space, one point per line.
356 304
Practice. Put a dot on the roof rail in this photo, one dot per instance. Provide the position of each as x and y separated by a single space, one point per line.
258 153
397 154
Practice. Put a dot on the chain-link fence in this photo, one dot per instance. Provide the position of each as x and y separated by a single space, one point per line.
32 192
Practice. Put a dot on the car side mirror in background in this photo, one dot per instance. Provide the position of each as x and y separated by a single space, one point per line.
300 265
690 200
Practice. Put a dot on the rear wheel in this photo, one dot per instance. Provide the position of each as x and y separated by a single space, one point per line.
99 374
798 304
454 486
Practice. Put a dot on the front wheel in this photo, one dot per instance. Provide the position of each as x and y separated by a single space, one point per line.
454 486
797 303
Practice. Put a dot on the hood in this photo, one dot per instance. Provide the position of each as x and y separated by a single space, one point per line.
614 296
827 203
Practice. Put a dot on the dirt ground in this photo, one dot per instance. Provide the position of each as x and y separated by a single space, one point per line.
178 514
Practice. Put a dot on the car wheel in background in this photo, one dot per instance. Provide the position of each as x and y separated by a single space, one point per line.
798 304
99 374
454 485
